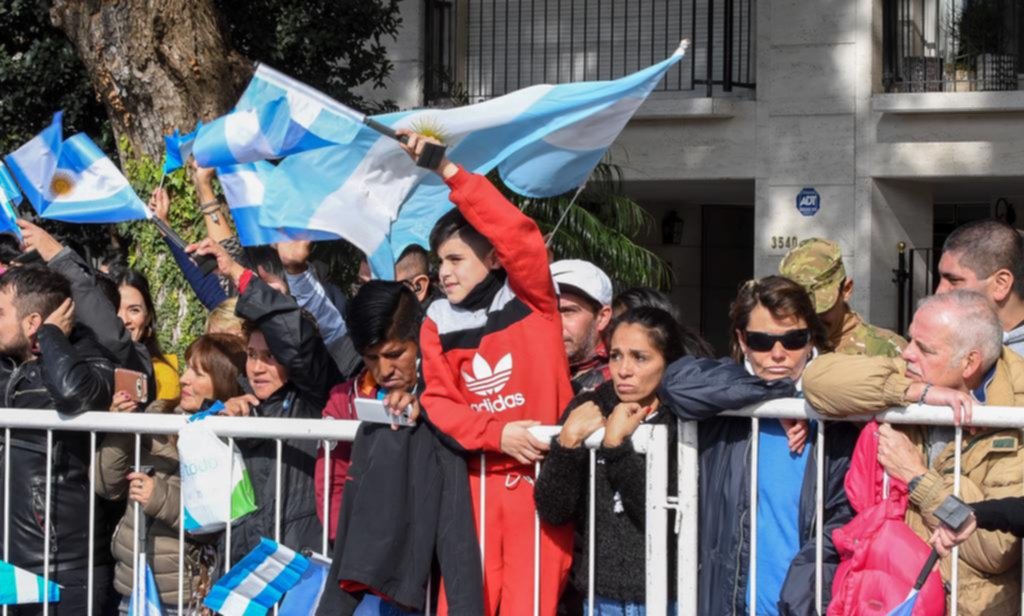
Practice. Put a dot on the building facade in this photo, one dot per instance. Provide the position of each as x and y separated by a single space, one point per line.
870 122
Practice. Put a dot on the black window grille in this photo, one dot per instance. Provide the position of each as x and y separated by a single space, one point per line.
481 49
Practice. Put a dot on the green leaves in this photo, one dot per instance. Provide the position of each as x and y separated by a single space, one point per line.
39 74
333 45
180 316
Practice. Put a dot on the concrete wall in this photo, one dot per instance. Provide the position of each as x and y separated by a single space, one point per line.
819 120
807 123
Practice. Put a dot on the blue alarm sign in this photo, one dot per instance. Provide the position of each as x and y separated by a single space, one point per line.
808 201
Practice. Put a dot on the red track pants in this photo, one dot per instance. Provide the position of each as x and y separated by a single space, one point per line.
509 526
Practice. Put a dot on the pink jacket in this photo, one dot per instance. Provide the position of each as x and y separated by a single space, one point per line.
881 556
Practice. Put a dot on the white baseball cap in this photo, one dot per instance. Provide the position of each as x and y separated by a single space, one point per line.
583 276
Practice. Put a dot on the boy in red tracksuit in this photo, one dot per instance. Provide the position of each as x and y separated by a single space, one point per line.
494 364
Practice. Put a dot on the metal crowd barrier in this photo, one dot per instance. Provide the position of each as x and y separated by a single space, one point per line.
649 440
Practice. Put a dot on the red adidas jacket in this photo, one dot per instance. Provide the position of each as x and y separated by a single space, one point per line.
486 368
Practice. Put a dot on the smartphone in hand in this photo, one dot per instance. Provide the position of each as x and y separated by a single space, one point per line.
131 382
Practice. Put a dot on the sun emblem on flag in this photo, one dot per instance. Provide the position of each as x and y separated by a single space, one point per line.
61 184
429 127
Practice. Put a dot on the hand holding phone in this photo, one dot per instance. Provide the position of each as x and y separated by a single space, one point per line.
131 385
375 411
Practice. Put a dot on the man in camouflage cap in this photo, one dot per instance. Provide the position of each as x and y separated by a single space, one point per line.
817 264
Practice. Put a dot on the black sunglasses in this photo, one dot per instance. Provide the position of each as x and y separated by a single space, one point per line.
793 340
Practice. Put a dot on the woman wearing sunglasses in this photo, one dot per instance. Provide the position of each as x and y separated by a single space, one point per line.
775 333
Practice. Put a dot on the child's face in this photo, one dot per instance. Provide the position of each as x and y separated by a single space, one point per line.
462 268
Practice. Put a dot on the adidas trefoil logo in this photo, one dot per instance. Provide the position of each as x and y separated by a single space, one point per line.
486 380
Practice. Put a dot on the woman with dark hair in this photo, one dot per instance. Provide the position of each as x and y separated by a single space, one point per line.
775 333
385 318
637 297
401 482
139 317
642 342
213 365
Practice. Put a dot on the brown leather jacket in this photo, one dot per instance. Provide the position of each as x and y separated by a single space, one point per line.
992 466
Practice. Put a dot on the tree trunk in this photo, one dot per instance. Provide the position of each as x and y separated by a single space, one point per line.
157 65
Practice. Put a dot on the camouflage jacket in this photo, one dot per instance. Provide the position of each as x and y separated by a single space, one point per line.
860 338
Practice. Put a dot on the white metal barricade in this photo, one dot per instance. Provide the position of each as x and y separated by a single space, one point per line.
652 441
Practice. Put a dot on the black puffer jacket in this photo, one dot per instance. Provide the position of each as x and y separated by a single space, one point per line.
699 389
72 376
620 504
293 339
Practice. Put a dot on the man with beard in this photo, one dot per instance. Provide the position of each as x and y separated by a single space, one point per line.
47 362
584 301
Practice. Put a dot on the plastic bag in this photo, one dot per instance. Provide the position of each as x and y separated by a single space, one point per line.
214 478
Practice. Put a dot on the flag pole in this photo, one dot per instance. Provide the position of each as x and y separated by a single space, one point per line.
205 263
551 236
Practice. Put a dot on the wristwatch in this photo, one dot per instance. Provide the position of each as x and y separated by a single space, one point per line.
913 483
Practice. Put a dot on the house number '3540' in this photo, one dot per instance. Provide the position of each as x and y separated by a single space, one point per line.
784 242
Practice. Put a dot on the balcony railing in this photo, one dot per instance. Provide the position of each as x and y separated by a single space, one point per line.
481 49
952 45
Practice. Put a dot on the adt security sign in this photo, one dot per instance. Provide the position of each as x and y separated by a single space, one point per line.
808 201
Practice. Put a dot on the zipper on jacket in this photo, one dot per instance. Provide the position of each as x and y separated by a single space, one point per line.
11 381
739 552
743 529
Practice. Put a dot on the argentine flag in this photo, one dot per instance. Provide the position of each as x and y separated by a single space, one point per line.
9 192
178 148
10 197
18 586
258 581
304 598
73 180
145 598
544 140
244 190
276 116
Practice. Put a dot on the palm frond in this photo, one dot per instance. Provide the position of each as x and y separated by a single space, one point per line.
601 227
583 235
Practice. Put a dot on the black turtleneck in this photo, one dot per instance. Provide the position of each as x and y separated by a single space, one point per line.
483 293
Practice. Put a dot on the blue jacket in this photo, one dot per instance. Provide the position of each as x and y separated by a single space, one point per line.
699 389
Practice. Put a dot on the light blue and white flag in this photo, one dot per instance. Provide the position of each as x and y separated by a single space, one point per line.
73 180
244 190
9 191
276 116
145 597
305 597
10 197
544 140
178 148
258 581
18 586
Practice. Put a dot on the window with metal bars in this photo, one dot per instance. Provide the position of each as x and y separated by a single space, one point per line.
481 49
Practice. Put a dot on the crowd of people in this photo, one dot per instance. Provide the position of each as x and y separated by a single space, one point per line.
475 351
